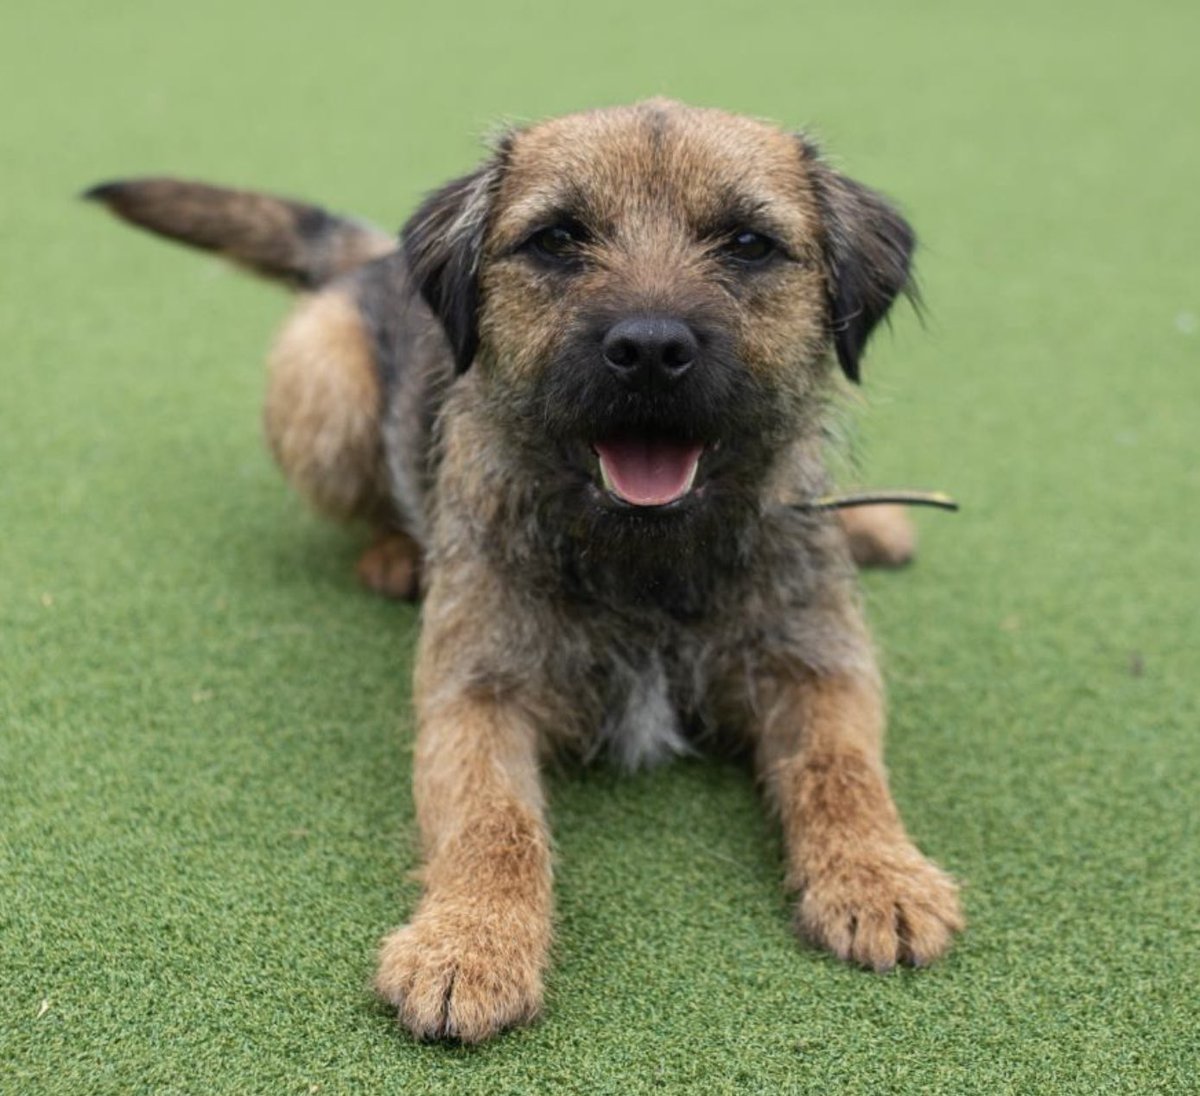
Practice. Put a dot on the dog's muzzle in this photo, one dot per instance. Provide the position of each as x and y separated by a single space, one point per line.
649 355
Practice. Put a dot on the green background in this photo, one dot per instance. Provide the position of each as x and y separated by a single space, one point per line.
205 820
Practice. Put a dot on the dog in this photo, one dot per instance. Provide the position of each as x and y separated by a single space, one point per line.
583 402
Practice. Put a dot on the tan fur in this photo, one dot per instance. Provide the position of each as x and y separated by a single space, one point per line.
652 263
391 566
470 962
867 893
879 536
322 408
455 390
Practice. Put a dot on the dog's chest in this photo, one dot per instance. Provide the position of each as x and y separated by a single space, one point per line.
644 720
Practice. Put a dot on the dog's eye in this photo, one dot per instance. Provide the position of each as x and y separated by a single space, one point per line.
559 243
748 247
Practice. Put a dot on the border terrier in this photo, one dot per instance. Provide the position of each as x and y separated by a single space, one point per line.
583 402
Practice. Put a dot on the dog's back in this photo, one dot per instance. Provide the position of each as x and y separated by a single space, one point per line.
356 372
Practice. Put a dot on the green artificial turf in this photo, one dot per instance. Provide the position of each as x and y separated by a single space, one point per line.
205 820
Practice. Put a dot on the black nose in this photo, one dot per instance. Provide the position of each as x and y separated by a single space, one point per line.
648 352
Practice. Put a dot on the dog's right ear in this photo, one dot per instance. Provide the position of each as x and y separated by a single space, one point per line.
443 243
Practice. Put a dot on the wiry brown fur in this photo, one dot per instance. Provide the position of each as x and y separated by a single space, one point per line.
290 241
323 407
451 392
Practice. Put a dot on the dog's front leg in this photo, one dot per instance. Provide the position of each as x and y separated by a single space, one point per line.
865 891
470 962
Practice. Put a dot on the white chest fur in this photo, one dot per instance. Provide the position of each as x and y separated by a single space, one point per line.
643 726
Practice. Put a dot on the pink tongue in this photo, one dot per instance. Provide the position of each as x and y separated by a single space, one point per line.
648 472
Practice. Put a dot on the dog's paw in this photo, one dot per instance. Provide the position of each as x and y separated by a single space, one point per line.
880 907
459 978
392 567
880 536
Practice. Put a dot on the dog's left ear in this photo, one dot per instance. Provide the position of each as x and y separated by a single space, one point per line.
868 257
443 243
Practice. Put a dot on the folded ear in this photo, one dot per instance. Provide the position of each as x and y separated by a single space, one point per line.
443 243
868 257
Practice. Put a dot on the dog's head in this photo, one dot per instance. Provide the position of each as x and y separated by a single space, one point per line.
654 295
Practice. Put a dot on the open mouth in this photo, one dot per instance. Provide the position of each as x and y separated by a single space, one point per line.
648 471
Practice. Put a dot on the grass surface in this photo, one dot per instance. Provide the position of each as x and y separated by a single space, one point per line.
205 820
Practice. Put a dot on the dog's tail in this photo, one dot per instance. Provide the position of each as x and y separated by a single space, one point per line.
292 242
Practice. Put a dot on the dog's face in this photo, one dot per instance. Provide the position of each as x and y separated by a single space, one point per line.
651 294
